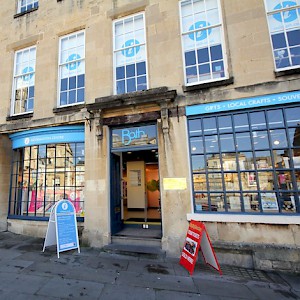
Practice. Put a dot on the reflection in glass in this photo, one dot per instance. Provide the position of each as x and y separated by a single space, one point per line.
233 202
198 163
251 203
260 140
275 118
217 202
215 181
197 145
211 144
278 138
266 181
209 125
213 162
231 182
229 162
241 122
292 116
199 182
225 124
194 127
294 135
201 202
246 161
263 160
227 143
258 120
243 141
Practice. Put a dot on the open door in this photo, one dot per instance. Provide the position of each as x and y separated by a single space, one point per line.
115 194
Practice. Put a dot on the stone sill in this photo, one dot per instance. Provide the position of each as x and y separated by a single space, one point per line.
25 12
202 86
19 117
67 109
287 72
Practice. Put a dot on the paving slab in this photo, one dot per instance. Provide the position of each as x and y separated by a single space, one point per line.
125 292
71 289
171 295
151 267
223 289
24 296
168 282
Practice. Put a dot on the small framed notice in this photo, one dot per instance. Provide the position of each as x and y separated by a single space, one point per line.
174 183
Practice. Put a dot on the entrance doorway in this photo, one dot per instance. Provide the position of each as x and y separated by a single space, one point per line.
135 194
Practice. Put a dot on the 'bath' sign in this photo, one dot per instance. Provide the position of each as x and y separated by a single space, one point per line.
62 227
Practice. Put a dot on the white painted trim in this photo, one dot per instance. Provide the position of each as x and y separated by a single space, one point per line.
232 218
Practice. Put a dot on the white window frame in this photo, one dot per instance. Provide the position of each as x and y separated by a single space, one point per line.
284 31
34 3
115 51
60 65
19 76
210 62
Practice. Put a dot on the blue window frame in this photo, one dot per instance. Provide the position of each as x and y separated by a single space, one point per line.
24 81
246 161
27 5
72 69
130 66
284 28
202 41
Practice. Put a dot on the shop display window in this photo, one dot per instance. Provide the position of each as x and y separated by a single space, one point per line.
45 174
246 162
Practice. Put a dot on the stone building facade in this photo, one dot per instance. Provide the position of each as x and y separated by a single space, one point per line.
148 114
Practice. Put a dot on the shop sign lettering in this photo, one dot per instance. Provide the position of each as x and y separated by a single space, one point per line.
129 135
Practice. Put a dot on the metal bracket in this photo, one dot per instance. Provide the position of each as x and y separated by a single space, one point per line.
165 119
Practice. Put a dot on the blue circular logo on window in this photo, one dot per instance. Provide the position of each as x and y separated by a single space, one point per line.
73 64
199 35
289 15
27 76
132 51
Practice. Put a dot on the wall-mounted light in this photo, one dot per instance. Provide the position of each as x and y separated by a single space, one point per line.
276 142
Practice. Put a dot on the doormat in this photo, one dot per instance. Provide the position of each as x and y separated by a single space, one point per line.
143 220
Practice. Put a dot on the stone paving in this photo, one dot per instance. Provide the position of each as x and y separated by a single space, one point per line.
28 273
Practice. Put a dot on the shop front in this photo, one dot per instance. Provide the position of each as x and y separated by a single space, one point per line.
48 165
246 161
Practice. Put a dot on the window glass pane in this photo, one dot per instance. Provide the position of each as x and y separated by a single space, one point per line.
225 124
213 162
197 145
293 116
241 122
257 120
260 140
251 203
227 143
217 202
198 163
234 202
263 160
215 182
199 182
278 138
231 182
201 202
229 162
211 144
243 141
209 126
266 181
275 118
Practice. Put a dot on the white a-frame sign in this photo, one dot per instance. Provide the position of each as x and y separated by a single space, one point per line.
62 227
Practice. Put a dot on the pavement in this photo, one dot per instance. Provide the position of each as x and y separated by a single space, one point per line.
28 273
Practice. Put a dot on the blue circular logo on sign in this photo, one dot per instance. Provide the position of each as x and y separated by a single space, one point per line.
73 64
132 51
288 16
27 76
199 35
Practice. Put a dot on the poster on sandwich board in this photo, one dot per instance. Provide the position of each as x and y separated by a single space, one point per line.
197 239
62 227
